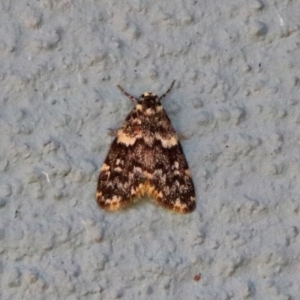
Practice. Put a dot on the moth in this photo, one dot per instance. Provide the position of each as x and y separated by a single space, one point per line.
146 159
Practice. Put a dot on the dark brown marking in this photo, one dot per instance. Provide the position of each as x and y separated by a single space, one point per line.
197 277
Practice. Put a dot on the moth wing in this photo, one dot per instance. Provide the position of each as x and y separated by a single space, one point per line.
171 180
119 178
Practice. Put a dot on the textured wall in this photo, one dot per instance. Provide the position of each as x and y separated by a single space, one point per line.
236 101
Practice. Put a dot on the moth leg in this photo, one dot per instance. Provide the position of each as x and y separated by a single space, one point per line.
112 132
182 137
132 98
167 92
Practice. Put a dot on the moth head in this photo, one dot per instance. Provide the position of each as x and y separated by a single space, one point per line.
149 99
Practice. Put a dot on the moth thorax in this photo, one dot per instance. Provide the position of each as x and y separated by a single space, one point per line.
149 99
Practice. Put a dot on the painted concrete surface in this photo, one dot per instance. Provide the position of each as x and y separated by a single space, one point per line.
236 102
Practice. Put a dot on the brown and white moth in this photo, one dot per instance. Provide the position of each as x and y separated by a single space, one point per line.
146 158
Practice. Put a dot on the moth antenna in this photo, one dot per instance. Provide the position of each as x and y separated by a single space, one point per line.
132 98
167 92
